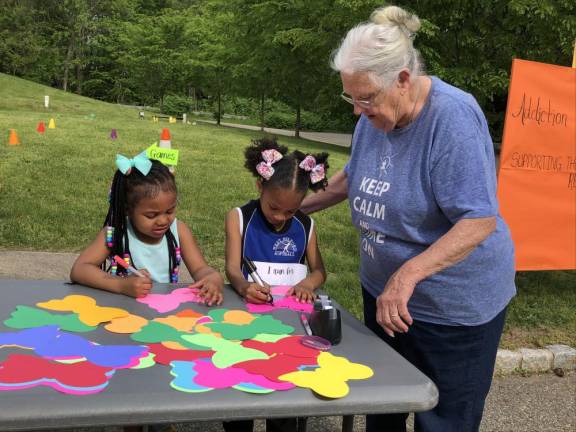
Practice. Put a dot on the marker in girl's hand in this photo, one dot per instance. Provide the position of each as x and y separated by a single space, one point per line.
249 264
127 266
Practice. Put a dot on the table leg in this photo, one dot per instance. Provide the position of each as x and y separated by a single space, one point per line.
302 424
135 429
347 423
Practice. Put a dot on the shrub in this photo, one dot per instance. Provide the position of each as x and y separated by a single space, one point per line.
279 120
176 105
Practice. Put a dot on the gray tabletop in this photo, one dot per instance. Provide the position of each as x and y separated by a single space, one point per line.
145 396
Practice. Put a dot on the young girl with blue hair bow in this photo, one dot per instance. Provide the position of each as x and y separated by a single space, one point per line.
141 227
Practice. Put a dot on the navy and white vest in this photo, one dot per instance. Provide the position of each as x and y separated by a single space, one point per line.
279 256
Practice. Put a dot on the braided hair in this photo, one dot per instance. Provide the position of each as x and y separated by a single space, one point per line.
125 194
287 171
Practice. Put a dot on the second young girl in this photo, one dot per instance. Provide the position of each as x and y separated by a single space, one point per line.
271 231
142 228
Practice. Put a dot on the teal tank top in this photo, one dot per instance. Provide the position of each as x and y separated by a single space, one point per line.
153 258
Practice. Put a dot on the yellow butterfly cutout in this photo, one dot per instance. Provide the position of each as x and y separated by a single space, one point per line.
185 324
329 380
127 324
238 317
88 311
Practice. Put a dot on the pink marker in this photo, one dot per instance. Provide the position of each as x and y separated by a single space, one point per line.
306 325
128 267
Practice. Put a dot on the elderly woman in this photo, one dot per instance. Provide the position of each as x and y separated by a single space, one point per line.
436 258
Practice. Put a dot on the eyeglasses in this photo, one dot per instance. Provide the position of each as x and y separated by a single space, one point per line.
363 102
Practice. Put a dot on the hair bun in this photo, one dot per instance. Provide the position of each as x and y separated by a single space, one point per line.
394 15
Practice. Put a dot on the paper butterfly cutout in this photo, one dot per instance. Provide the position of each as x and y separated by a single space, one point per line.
189 313
168 302
28 317
290 345
236 316
155 332
266 337
281 301
276 366
88 311
145 362
127 324
185 324
227 353
204 376
165 356
21 371
261 324
288 302
50 342
330 378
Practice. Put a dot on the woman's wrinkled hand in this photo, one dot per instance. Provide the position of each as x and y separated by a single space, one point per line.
392 305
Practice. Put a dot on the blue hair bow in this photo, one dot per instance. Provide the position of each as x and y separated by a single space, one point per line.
140 162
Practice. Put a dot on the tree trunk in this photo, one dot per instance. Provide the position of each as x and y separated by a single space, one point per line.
67 62
79 78
262 111
297 128
219 113
298 112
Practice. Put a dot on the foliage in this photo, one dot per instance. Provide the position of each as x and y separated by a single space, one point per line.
139 51
176 105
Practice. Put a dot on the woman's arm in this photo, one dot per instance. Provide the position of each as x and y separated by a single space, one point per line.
249 290
451 248
206 278
304 290
335 192
86 271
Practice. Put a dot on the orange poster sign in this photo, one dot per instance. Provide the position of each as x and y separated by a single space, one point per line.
537 176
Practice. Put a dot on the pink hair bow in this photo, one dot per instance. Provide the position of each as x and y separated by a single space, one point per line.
316 170
265 168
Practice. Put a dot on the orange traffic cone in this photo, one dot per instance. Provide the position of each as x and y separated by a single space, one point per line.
41 128
13 140
165 139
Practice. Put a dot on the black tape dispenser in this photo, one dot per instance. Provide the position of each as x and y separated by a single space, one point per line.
325 320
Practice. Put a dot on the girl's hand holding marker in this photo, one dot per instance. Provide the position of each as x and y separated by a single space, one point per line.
138 284
258 292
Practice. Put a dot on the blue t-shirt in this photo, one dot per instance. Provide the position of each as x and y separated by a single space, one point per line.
408 187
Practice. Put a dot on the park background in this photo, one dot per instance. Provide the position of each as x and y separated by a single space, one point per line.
256 62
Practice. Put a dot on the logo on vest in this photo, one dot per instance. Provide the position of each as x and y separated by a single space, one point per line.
285 247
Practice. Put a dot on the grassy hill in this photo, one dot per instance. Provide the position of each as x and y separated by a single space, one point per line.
54 187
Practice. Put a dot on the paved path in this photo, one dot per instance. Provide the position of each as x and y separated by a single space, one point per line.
540 403
342 140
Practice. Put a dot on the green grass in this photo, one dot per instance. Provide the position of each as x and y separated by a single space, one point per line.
53 196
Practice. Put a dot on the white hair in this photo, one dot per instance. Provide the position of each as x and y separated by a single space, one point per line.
382 47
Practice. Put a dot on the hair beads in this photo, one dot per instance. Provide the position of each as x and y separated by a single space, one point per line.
109 234
176 270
